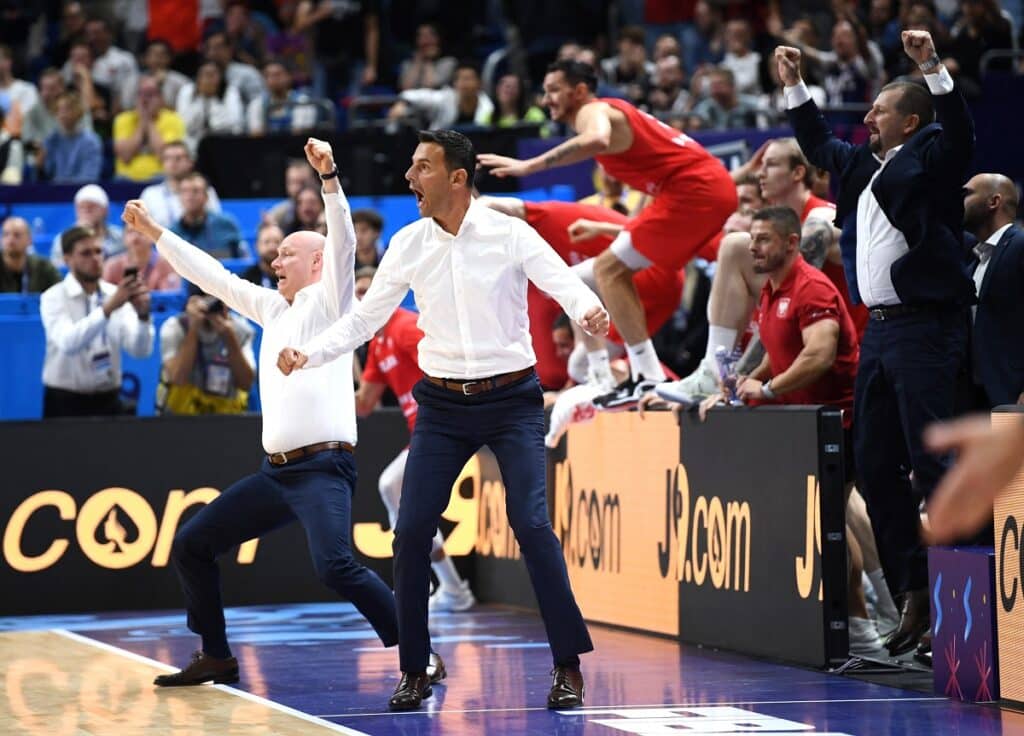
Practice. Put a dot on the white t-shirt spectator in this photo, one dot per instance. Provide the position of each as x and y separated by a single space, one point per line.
204 115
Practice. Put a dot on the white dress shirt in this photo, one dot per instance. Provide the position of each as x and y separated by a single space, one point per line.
879 243
83 345
306 407
471 291
984 252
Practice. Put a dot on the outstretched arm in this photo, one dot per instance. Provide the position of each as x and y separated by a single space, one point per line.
340 248
593 139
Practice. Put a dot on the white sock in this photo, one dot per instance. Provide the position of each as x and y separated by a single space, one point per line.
886 607
643 361
447 575
598 361
718 336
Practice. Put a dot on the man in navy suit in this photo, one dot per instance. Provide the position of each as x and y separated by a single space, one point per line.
997 344
901 210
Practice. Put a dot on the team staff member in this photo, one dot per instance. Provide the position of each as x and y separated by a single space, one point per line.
469 267
391 363
903 190
309 429
693 197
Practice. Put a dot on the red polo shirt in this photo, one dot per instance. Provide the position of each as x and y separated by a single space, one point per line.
805 297
391 359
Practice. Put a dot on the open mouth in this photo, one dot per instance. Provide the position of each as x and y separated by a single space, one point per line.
418 194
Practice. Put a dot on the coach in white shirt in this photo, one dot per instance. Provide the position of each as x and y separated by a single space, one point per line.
309 428
469 267
88 323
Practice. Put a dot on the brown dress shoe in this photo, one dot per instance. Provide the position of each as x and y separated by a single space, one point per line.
412 690
202 668
915 621
435 668
566 688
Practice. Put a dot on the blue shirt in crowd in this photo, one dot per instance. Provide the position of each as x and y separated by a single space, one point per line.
217 234
73 158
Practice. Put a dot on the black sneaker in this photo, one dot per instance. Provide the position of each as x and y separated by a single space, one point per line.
626 395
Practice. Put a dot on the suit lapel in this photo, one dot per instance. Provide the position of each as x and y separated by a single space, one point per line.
993 263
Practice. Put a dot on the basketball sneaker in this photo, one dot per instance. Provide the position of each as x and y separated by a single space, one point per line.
693 389
446 600
626 395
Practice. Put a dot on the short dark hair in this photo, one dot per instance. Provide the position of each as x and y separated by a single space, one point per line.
783 219
73 236
575 72
633 34
458 150
370 217
562 321
467 64
914 100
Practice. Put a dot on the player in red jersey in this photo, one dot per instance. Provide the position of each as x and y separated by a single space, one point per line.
391 363
785 177
693 197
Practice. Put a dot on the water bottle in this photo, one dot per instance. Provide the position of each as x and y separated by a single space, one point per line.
726 361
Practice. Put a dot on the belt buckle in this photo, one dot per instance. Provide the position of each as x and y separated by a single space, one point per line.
878 314
466 385
278 458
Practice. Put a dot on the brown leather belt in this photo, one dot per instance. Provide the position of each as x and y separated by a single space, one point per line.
283 458
480 385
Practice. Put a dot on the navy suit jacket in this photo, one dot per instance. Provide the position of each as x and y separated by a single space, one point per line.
920 191
998 337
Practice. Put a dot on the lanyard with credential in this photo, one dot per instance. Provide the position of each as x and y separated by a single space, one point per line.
24 280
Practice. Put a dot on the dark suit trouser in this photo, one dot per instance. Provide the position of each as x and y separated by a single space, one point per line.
315 490
450 428
908 376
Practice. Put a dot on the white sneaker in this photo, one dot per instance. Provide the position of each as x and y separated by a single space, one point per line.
444 600
601 379
864 639
691 390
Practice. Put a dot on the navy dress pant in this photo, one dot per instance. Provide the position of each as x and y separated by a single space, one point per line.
450 428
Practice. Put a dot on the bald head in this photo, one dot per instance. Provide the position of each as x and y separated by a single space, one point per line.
990 201
299 262
15 239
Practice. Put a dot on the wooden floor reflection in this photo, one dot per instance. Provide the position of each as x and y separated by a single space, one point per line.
57 684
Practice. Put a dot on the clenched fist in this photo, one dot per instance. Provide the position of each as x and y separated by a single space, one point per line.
788 59
595 321
137 217
918 45
290 359
320 155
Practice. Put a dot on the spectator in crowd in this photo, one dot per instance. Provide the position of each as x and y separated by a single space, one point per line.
512 103
41 119
912 352
851 70
704 41
140 134
21 271
70 154
883 27
88 322
210 105
92 205
289 43
613 194
133 22
246 34
668 97
723 108
112 67
346 43
71 31
748 193
282 109
208 365
981 28
141 260
156 61
740 57
17 96
666 45
12 156
997 344
309 209
630 71
427 68
163 200
463 104
297 175
245 78
77 75
214 232
180 24
368 225
268 240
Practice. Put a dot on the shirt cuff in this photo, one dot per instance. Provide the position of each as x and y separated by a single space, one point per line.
941 83
796 95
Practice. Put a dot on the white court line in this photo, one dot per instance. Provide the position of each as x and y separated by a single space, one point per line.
588 709
338 728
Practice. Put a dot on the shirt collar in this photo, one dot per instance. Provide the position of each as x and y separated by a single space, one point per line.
787 283
73 287
888 154
473 217
995 237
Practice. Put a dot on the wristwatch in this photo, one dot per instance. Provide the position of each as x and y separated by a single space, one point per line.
930 63
766 390
332 175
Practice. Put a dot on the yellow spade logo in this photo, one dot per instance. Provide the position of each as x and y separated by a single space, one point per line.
812 542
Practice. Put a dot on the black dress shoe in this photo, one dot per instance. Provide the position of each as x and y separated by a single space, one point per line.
915 621
202 668
566 688
412 690
435 668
